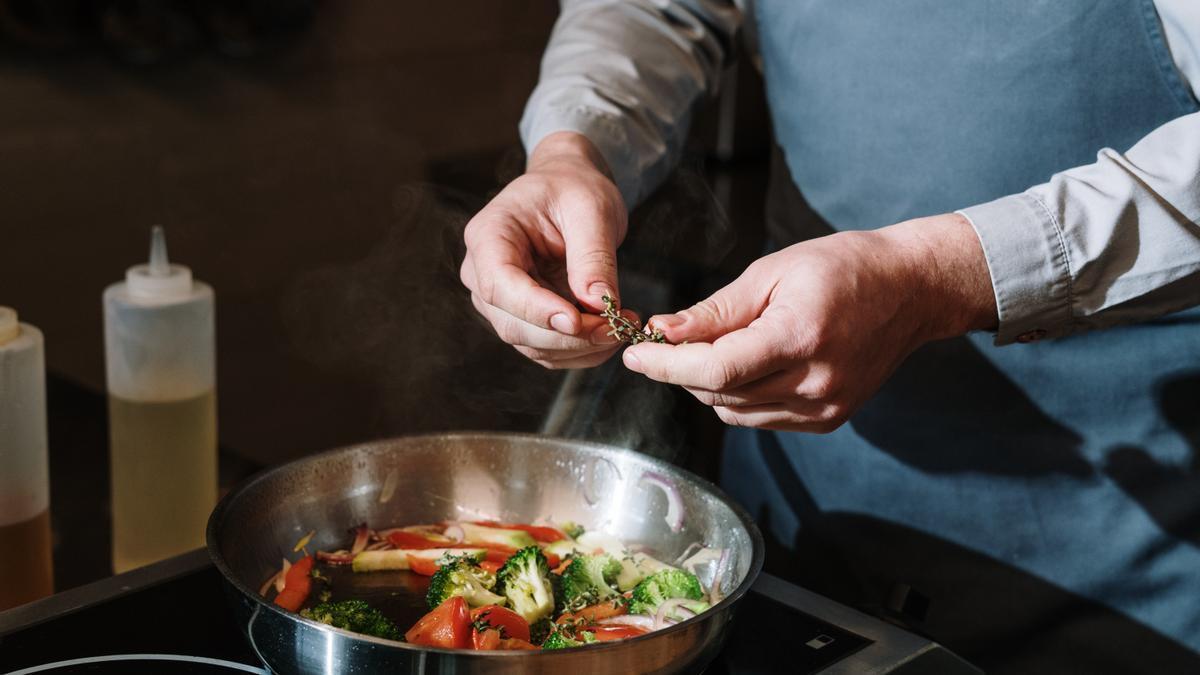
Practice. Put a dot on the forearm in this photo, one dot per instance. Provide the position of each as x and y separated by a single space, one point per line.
945 276
626 74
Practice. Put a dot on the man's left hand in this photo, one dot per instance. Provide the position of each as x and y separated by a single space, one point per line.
806 335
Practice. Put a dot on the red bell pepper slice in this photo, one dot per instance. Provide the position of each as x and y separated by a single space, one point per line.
296 585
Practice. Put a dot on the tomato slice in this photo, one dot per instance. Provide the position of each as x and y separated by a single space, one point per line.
498 554
615 632
491 566
423 566
447 626
591 613
517 643
538 532
412 540
485 639
501 617
296 585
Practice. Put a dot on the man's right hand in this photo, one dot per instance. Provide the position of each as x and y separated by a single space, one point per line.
546 242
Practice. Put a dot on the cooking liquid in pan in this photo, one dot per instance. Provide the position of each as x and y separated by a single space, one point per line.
164 476
26 571
399 595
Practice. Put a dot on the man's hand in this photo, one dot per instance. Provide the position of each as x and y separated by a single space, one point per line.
547 241
806 335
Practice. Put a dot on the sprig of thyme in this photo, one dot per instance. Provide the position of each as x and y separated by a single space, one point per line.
626 331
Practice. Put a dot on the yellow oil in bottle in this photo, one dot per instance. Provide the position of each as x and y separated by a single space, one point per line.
26 567
163 456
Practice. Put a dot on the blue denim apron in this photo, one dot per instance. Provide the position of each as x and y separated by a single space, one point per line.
1045 497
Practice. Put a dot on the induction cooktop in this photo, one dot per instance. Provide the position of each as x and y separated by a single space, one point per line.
171 618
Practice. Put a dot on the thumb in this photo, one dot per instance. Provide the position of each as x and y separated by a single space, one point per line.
732 308
591 254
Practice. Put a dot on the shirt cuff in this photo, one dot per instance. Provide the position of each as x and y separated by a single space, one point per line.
1031 274
607 132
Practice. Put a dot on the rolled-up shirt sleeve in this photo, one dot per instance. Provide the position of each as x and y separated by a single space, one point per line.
1113 242
626 74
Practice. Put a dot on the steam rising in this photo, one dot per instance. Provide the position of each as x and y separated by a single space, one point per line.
400 320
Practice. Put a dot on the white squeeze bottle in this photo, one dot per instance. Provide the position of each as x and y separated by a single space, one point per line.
159 347
26 568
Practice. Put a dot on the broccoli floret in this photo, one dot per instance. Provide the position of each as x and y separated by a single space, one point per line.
525 581
563 639
661 586
462 576
572 529
588 580
540 630
354 615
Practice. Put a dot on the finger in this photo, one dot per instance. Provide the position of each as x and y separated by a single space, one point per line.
591 252
577 361
594 336
499 256
738 358
809 417
730 308
781 386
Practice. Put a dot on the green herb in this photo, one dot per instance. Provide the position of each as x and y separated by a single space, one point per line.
626 331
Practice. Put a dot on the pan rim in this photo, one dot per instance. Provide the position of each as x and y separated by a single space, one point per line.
218 559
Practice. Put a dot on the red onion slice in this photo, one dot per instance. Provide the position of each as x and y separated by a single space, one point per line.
714 593
281 578
361 536
665 610
342 557
455 533
635 620
675 508
262 590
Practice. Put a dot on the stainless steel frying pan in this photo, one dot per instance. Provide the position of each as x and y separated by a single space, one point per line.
458 477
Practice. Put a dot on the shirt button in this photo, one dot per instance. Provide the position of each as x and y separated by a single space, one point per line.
1031 336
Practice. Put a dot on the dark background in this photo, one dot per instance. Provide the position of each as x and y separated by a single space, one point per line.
315 162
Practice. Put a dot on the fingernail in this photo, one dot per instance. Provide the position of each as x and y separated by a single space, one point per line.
601 336
669 320
561 323
600 289
632 361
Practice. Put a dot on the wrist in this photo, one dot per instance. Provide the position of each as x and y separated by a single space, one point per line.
950 282
566 149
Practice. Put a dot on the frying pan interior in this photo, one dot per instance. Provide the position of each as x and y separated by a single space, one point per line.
425 479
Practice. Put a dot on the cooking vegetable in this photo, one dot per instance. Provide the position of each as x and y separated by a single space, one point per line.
398 559
496 585
662 586
566 637
540 630
355 615
541 533
615 632
413 540
297 584
593 613
447 626
507 622
482 534
525 582
462 576
635 567
588 580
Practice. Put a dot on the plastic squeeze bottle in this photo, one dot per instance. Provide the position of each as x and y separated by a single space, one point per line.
26 567
159 346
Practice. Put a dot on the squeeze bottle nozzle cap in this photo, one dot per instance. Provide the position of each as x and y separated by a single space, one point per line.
159 279
9 328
